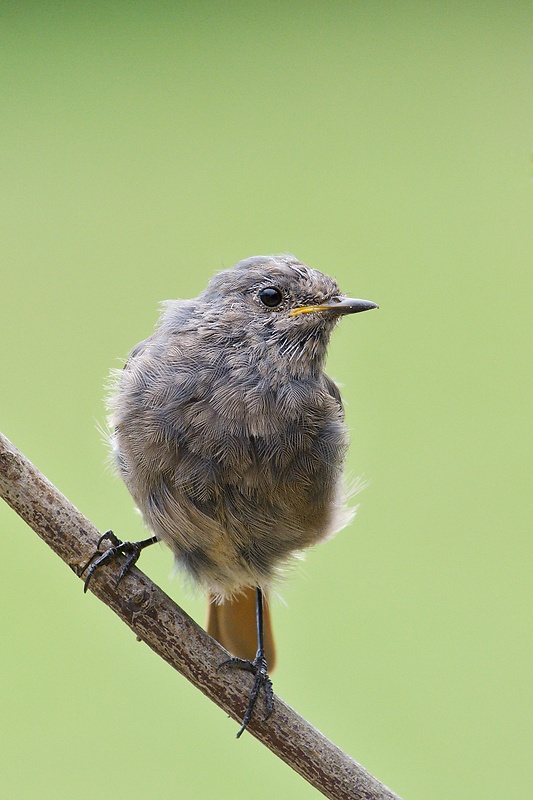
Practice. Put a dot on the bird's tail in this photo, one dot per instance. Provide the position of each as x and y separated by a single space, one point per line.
233 624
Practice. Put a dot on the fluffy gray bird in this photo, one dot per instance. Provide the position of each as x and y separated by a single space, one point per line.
231 439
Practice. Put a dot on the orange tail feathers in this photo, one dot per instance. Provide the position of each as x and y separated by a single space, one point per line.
233 624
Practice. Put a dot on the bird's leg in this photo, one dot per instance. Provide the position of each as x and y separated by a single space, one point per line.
258 667
132 551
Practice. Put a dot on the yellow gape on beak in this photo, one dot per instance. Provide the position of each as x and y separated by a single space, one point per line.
337 305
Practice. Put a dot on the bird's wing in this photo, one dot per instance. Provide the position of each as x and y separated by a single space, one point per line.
333 390
137 350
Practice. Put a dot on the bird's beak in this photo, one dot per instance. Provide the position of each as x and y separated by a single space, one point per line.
337 306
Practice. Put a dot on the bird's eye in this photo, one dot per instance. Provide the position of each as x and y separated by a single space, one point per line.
270 296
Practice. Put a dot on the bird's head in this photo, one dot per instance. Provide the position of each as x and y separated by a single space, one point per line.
278 304
280 294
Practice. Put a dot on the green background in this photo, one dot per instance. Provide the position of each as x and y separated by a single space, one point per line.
143 147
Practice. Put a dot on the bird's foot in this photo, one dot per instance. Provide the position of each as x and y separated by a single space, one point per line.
132 551
259 668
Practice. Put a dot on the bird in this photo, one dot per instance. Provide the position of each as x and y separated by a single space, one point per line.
231 440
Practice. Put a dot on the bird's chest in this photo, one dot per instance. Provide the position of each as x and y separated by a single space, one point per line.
264 427
235 419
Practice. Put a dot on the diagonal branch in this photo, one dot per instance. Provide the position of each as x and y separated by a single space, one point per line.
173 635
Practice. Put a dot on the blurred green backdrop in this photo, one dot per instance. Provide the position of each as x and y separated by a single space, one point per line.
144 147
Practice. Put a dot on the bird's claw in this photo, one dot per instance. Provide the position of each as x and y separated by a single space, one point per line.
131 550
258 667
110 536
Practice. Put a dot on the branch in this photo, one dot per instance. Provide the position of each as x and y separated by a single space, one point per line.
174 636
